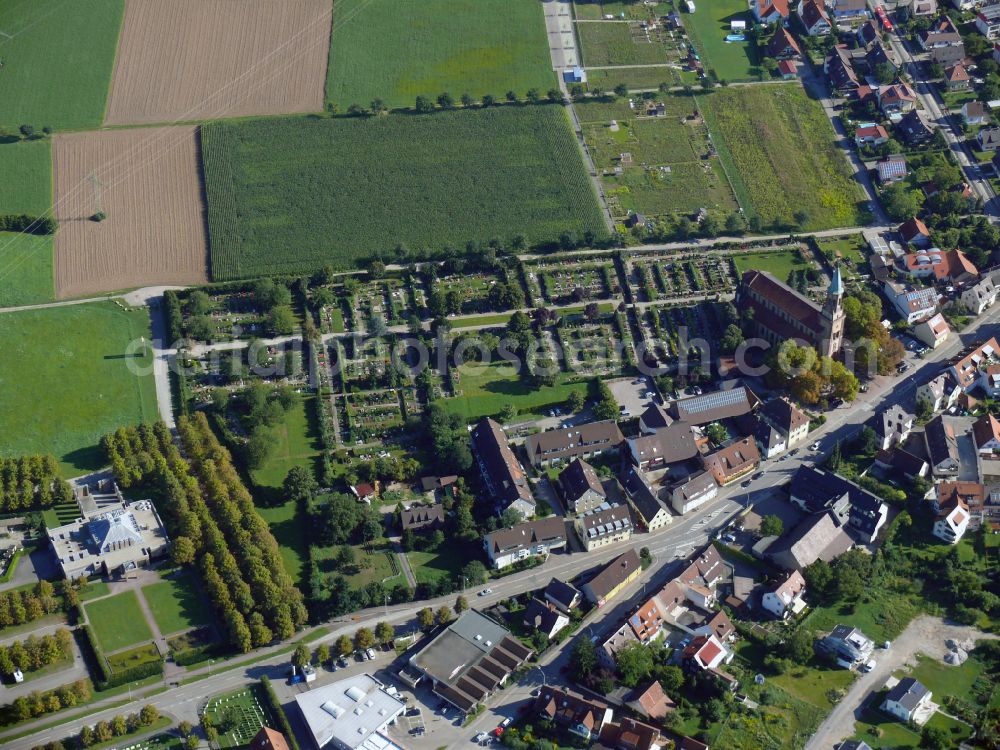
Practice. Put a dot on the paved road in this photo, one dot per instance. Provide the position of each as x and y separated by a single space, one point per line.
925 635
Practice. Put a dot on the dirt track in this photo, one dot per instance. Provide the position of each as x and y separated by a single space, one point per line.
183 60
150 189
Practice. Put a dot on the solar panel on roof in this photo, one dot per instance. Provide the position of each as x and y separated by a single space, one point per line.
713 400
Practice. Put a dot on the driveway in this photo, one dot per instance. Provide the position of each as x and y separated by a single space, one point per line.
925 635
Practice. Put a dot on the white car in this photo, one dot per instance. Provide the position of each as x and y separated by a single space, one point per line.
814 446
868 666
486 592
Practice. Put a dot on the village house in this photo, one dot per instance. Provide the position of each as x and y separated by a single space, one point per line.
980 296
769 11
986 432
581 488
653 418
918 8
501 472
603 526
562 595
903 462
648 511
891 169
708 654
782 45
629 734
942 42
938 266
942 447
693 492
553 447
941 392
933 331
847 645
913 305
907 699
914 129
715 406
580 716
952 508
651 703
529 539
787 419
957 78
988 21
867 34
871 135
898 98
988 139
544 618
892 426
966 371
787 597
820 536
814 19
422 518
974 113
848 10
818 491
839 70
732 462
615 576
770 442
672 444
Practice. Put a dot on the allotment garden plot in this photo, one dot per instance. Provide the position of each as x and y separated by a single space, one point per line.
146 183
572 280
656 158
780 152
200 59
709 26
661 277
397 50
296 194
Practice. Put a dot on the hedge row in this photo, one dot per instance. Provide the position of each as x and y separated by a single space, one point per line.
27 224
278 711
105 679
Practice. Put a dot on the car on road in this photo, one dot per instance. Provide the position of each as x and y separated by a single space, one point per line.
814 446
903 368
868 666
863 388
783 458
486 592
746 483
793 452
758 475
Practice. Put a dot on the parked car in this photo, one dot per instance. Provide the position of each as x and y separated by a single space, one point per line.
814 446
371 653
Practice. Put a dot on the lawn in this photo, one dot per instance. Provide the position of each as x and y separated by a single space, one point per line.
58 59
68 377
611 43
881 616
176 604
880 730
444 563
486 389
373 564
397 50
778 149
944 680
276 185
297 445
809 683
638 78
118 621
780 264
25 269
708 27
134 657
593 9
26 167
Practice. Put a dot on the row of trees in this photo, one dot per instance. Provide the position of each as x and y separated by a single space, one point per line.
30 483
119 726
18 607
809 377
39 702
36 652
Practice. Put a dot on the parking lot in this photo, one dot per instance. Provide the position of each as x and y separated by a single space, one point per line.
630 393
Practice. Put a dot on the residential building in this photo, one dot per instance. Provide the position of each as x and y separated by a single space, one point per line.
906 699
732 462
893 426
897 98
580 716
769 11
974 113
613 578
543 617
529 539
957 78
919 8
849 9
871 135
981 295
715 406
502 473
943 42
988 139
933 331
966 370
770 442
938 265
952 519
986 432
782 45
814 18
654 418
914 129
780 313
914 232
350 714
630 734
867 34
110 537
553 447
651 703
788 69
988 21
942 447
668 445
581 487
708 654
787 419
467 661
849 646
820 536
818 491
891 169
913 305
648 511
609 524
562 595
787 598
855 744
607 652
268 739
942 392
693 492
422 518
840 71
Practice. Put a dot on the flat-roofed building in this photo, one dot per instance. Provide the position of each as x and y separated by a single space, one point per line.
350 714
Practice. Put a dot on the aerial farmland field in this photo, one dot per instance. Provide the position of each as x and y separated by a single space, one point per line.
294 194
198 59
148 186
780 153
66 380
26 187
396 50
57 61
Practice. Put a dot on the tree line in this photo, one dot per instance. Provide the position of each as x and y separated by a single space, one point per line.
20 606
36 652
31 483
119 726
41 702
214 522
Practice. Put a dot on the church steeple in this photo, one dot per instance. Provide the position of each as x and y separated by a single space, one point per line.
836 288
833 314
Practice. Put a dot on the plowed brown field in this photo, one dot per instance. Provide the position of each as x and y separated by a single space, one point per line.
203 59
149 186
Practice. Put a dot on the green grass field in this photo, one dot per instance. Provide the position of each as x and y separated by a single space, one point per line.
26 167
396 50
486 389
25 269
780 264
881 618
58 58
133 657
778 148
275 186
372 564
444 563
176 604
884 732
638 78
65 381
611 43
708 27
118 621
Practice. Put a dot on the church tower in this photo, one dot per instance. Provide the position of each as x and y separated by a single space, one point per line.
832 338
